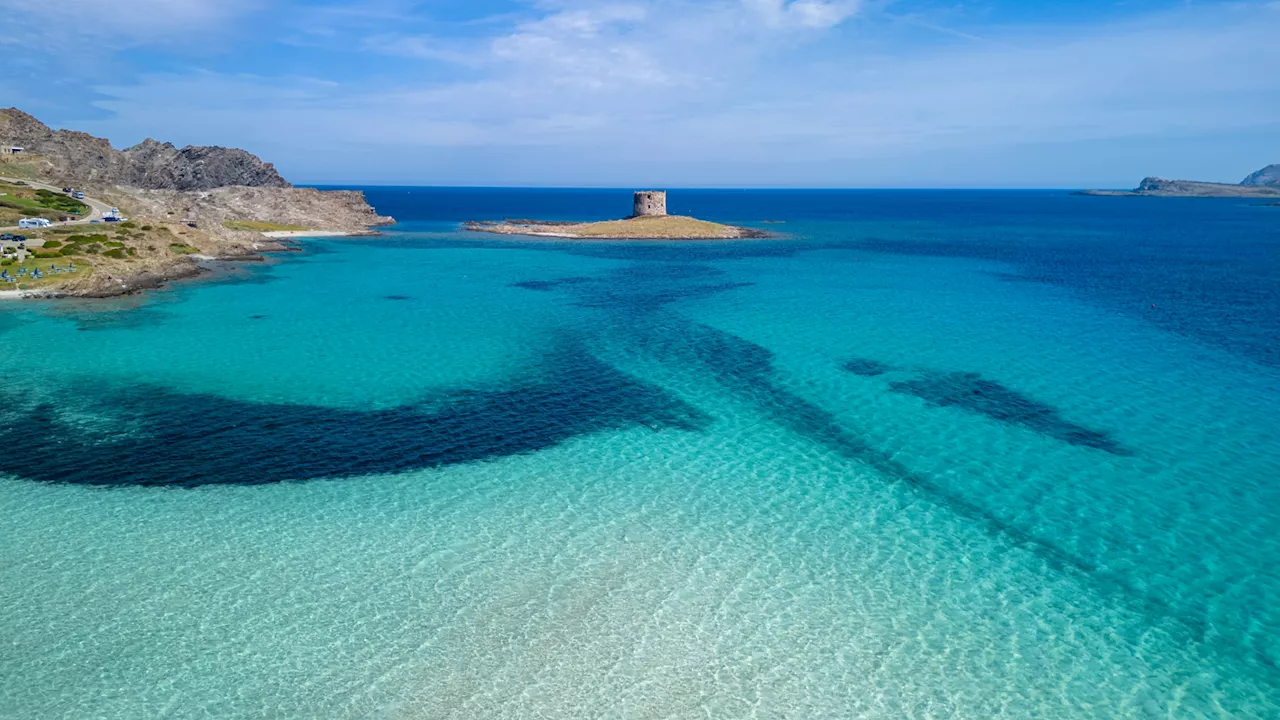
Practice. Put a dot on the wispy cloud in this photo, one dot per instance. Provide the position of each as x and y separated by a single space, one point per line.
803 13
720 91
120 23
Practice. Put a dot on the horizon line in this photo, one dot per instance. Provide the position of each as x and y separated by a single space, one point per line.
715 188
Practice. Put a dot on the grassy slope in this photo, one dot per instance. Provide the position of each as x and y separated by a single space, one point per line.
667 226
114 249
19 202
84 268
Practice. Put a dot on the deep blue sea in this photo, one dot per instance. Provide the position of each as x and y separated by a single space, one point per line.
923 454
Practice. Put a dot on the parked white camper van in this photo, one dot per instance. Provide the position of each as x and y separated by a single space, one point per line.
34 223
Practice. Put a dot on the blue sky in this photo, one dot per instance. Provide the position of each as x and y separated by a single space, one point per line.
728 93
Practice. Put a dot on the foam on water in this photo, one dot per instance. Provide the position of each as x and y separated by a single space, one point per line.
800 479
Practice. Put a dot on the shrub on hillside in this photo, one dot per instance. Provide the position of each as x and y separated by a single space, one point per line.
87 238
116 253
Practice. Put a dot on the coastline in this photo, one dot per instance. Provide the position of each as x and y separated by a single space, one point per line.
117 280
293 234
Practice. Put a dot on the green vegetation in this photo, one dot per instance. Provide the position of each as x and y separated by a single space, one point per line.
109 243
17 166
182 249
260 226
19 200
60 202
51 244
128 224
116 253
146 228
50 278
70 250
88 239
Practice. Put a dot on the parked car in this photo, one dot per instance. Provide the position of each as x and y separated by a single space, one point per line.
66 190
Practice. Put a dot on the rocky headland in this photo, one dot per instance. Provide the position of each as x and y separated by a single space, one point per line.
1264 183
185 207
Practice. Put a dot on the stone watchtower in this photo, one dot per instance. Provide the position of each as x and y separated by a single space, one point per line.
649 203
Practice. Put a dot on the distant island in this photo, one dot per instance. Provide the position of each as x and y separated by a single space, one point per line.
648 221
1264 183
80 218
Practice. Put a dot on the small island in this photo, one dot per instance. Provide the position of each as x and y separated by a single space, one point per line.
648 221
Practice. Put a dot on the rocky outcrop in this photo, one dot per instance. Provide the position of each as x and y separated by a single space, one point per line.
155 165
82 159
118 280
1267 176
330 210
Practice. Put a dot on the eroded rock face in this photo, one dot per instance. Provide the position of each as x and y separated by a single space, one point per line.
161 166
83 159
1267 176
335 210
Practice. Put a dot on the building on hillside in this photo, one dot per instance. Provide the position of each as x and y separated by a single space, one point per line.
10 149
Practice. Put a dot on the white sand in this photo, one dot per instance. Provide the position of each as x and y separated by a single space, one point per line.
312 233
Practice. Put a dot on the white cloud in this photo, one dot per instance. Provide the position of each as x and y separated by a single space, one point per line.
602 93
803 13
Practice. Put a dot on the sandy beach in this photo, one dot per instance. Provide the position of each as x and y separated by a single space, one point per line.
315 233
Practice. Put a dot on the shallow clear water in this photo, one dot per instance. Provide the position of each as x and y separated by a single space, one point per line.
931 455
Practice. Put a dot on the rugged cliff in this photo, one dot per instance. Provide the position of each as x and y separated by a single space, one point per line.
81 159
154 165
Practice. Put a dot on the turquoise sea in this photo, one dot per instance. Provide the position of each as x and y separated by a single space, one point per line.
926 454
